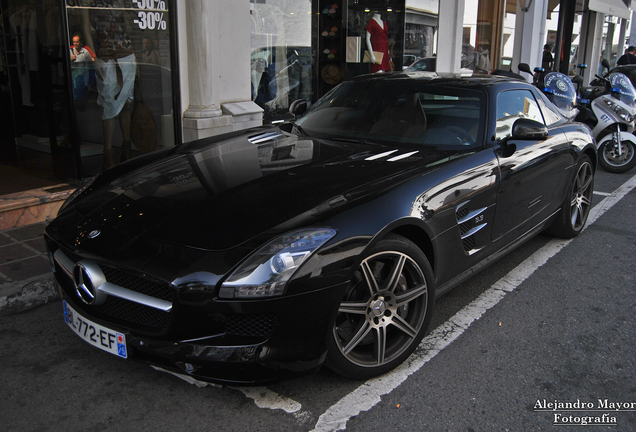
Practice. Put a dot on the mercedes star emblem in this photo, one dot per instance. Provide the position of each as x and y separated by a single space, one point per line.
88 277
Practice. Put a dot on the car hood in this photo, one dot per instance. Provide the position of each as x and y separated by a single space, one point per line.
218 193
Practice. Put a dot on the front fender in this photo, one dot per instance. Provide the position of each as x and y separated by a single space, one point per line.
625 136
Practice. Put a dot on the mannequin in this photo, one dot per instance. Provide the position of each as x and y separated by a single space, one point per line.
378 39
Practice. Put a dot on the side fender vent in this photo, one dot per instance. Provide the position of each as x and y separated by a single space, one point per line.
469 224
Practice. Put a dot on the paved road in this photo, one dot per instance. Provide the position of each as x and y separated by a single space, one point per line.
562 331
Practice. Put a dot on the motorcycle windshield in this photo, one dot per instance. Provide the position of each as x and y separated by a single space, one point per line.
623 89
560 90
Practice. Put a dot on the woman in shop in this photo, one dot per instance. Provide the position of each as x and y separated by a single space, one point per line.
150 55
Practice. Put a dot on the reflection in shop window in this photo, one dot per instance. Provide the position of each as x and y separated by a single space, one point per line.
281 58
488 35
122 89
420 38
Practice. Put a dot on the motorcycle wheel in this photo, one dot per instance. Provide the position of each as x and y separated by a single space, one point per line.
611 161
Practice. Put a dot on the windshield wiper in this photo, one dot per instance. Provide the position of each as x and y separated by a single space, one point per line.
300 130
354 140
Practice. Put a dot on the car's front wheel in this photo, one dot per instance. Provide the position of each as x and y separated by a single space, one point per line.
385 311
577 203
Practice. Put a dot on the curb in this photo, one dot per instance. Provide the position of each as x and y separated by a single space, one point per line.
18 298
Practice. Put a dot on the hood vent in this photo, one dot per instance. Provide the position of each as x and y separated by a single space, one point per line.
386 155
262 138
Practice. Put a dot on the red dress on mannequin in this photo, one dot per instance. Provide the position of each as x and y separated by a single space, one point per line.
380 42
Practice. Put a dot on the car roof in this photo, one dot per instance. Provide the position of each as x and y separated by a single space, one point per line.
443 79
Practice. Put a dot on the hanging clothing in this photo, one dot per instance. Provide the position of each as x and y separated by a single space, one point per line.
19 26
113 94
380 42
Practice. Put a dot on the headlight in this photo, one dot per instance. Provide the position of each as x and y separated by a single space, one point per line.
622 113
266 272
83 186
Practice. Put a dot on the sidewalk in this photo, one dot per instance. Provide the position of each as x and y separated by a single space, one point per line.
26 279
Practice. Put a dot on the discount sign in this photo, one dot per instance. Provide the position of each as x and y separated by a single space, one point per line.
151 14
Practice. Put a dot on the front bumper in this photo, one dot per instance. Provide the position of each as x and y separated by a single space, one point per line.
229 342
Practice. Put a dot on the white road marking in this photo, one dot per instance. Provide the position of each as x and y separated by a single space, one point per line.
265 398
369 394
602 193
187 378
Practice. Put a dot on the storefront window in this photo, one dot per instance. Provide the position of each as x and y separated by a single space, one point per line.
613 48
420 32
121 77
34 99
379 27
281 58
488 37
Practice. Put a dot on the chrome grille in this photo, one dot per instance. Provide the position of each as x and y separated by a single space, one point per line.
135 314
124 311
137 283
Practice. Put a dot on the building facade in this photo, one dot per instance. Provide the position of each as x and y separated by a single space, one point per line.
87 84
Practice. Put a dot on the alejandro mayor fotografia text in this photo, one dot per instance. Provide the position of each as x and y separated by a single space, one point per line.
599 412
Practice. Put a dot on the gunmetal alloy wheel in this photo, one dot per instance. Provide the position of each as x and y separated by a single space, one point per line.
577 203
385 311
582 196
617 157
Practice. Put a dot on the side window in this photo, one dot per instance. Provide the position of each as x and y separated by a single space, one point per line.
512 105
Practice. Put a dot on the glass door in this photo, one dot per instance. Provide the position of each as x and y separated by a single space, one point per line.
34 97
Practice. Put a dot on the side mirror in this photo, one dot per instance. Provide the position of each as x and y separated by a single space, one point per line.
577 79
526 129
298 107
523 67
605 64
522 129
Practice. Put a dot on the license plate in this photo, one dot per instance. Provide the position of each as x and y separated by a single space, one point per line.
95 334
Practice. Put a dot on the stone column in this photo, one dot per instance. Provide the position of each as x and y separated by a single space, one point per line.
529 35
215 68
203 50
449 38
591 44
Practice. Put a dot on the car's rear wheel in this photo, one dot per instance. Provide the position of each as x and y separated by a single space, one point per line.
385 311
577 203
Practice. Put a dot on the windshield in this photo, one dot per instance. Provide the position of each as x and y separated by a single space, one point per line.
399 111
560 91
623 88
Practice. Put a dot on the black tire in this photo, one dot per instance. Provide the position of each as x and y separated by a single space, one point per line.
576 206
385 311
611 161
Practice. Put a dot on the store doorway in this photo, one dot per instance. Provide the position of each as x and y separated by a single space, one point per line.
35 101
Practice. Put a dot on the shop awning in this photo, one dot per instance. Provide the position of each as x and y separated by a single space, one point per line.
610 7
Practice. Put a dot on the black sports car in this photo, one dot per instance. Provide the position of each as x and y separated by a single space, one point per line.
269 252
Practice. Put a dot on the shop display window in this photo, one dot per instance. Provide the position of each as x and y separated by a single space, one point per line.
281 56
342 39
120 64
488 35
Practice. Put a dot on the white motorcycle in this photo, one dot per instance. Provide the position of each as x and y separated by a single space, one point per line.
610 110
